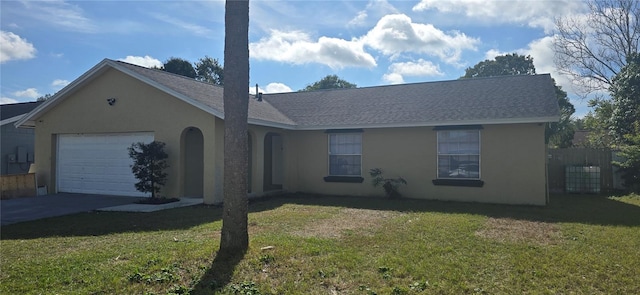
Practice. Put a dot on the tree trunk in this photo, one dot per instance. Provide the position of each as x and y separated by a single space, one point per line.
234 239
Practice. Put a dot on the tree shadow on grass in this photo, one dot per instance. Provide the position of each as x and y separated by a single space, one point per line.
106 223
586 209
219 275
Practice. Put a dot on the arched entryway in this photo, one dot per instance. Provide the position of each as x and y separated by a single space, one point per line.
193 162
273 162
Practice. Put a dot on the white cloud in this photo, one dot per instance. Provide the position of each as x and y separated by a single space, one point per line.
14 47
187 26
492 53
393 78
59 83
271 88
359 19
421 68
7 100
60 14
144 61
375 9
297 48
396 34
277 88
28 93
536 14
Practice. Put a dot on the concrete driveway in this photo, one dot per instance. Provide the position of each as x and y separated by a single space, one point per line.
25 209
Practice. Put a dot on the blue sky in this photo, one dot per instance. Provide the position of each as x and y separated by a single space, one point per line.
47 44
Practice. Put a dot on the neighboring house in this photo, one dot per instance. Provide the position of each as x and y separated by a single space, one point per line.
16 144
479 140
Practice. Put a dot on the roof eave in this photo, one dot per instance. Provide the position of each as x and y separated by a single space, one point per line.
267 123
11 120
435 123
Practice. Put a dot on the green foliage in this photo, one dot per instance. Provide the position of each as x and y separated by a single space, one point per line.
385 271
390 185
502 65
244 288
557 134
209 70
419 286
179 66
329 82
597 122
44 97
149 162
267 259
625 95
630 164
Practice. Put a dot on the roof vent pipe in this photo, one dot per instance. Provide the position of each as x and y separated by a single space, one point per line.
257 90
259 96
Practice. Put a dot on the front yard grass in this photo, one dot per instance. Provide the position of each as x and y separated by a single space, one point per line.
336 245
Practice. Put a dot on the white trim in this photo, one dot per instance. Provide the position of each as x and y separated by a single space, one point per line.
433 123
266 123
11 120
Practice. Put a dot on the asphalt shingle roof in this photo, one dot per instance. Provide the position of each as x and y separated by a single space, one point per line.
473 101
206 94
15 109
494 100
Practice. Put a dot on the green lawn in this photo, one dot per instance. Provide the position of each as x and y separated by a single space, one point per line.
336 245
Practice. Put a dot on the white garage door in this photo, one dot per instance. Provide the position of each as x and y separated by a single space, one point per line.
98 163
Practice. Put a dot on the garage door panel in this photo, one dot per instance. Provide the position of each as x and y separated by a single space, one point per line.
98 163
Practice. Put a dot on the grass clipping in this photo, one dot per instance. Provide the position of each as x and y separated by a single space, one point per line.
520 231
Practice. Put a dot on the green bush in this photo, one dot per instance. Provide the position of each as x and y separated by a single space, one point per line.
149 162
390 185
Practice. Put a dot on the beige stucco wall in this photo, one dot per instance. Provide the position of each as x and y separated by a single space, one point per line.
512 164
139 108
512 156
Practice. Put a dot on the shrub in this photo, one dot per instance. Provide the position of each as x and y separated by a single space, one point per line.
630 164
390 185
149 162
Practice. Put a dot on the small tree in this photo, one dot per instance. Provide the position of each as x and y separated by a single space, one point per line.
630 164
149 162
390 185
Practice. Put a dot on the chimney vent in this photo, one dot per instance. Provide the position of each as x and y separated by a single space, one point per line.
259 96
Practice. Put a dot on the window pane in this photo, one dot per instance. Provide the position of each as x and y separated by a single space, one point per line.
340 144
459 167
344 154
460 142
344 165
459 154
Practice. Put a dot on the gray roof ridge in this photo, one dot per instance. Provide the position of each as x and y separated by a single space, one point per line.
408 84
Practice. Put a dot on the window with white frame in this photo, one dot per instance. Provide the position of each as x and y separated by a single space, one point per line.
345 154
459 154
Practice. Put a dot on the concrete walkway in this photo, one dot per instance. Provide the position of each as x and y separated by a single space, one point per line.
151 208
33 208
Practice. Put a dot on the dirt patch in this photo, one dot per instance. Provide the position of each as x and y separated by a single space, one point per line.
521 231
364 221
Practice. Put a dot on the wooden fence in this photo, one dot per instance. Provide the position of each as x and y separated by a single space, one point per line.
17 186
564 164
